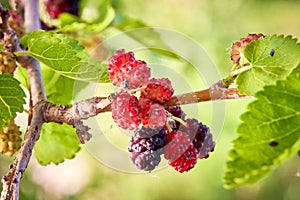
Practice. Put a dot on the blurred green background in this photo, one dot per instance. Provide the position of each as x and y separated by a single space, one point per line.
215 25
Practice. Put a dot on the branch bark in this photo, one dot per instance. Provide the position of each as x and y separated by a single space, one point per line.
216 91
74 115
12 179
91 107
32 17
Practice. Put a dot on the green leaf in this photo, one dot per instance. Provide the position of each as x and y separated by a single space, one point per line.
97 11
82 29
148 37
266 69
59 89
89 70
269 133
11 98
52 49
124 22
6 4
95 16
22 76
67 18
57 143
64 55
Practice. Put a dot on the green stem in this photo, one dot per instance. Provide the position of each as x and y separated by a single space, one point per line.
235 71
230 79
53 81
22 53
240 70
26 111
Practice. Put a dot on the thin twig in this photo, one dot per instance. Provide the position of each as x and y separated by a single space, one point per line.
217 91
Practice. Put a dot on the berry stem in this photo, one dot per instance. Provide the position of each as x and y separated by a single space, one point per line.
240 70
235 71
179 120
230 78
168 126
22 53
215 92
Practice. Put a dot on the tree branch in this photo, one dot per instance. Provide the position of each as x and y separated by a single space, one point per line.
32 17
32 22
91 107
12 179
36 83
43 111
74 115
216 91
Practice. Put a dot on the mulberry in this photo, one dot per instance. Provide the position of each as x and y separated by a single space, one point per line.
10 139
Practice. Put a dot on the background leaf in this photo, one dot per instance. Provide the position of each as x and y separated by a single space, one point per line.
63 55
11 98
267 69
57 143
59 89
269 133
97 11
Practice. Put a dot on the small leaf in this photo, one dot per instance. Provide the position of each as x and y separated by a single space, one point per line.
11 98
59 89
95 17
6 4
51 49
267 69
57 143
21 75
63 54
269 133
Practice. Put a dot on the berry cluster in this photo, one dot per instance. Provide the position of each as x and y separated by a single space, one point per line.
146 147
128 111
123 66
237 50
157 129
188 143
7 58
10 139
7 62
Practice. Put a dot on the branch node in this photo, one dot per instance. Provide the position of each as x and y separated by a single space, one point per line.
84 109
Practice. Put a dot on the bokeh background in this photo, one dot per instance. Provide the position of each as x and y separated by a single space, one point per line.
215 25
